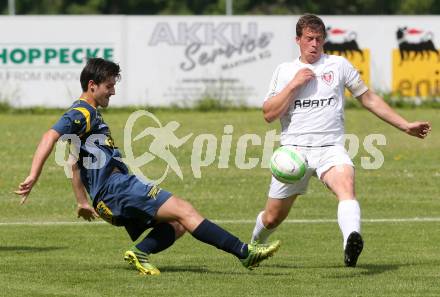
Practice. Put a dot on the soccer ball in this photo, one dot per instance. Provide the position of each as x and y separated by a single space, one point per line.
287 164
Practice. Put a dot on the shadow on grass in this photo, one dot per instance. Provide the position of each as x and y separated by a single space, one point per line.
196 269
368 269
340 271
372 269
203 269
30 249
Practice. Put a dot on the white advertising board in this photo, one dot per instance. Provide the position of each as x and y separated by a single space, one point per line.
41 57
174 60
178 60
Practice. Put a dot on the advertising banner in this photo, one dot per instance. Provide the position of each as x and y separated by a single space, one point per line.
404 53
41 57
177 60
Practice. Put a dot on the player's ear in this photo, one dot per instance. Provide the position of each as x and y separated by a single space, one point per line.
91 85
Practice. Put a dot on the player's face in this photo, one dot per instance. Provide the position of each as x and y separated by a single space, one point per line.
104 91
310 45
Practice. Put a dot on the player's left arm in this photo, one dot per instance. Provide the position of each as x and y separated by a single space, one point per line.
375 104
84 209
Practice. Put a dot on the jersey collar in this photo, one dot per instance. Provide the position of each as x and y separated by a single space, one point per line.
85 100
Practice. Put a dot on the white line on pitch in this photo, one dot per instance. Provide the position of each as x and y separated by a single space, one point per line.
316 221
320 221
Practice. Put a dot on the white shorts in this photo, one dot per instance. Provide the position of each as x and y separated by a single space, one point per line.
319 159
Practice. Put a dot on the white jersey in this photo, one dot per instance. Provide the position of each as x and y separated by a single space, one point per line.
316 116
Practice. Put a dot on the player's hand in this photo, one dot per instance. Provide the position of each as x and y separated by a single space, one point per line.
418 129
86 212
302 77
25 188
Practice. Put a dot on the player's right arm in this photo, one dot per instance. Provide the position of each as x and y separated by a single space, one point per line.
277 105
43 151
84 209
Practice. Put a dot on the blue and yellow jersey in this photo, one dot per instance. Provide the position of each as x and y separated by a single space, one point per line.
98 156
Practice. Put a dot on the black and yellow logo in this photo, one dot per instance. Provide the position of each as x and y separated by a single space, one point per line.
416 64
109 141
153 192
104 212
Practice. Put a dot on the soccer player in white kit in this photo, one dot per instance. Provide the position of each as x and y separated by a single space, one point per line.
307 95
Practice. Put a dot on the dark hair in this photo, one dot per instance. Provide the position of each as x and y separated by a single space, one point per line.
310 21
98 70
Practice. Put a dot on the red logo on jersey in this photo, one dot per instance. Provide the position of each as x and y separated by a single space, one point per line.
328 77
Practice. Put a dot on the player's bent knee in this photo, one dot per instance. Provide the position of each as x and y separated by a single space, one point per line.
177 209
178 228
186 214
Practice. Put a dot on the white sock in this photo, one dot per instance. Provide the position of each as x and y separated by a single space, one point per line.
261 233
349 218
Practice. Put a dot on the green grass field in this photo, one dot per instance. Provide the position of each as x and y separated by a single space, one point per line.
401 257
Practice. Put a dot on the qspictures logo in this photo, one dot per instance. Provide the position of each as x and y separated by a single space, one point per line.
207 149
416 63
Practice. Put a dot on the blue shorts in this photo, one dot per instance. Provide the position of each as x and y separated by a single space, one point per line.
126 201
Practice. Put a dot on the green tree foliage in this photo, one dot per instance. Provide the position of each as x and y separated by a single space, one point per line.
415 6
217 7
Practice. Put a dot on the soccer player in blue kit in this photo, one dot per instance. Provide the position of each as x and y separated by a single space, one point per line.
119 197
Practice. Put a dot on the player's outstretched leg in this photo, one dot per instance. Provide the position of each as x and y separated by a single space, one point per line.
208 232
353 249
250 255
